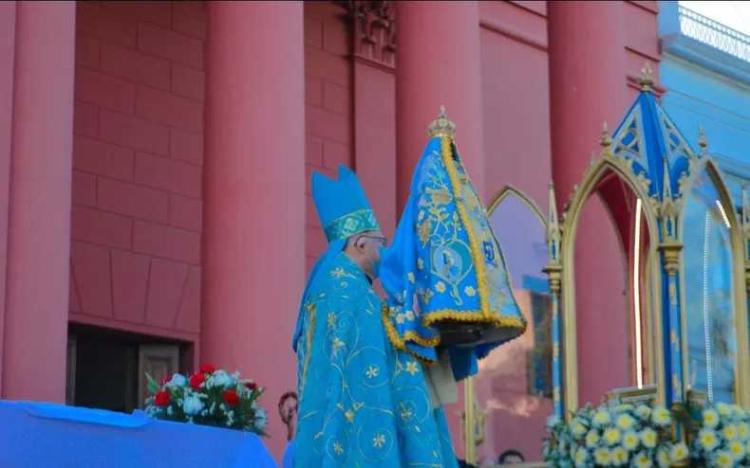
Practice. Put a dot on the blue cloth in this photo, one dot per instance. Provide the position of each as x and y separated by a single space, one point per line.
36 434
361 401
445 264
342 205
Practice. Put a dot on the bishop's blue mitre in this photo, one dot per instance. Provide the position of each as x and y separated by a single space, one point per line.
342 205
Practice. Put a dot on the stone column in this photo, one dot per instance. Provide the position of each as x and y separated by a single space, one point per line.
254 193
38 266
588 86
587 83
437 64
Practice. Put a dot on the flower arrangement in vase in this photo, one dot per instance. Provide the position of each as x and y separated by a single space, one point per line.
614 435
211 397
720 436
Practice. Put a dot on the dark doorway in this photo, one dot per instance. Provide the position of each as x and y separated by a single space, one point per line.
106 368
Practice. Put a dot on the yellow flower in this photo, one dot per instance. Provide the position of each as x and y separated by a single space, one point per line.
470 291
737 450
708 439
420 264
580 458
661 416
440 287
643 411
592 438
743 431
601 418
730 432
630 440
602 456
619 456
612 435
642 461
724 409
662 458
679 452
578 428
410 277
710 418
625 422
649 437
724 459
411 367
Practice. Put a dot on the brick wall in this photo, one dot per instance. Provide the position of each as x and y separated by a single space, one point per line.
328 107
138 151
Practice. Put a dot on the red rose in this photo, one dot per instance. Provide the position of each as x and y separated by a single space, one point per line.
251 385
207 369
196 380
231 397
162 398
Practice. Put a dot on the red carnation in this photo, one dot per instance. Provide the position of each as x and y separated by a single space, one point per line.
207 369
196 380
251 385
231 397
162 398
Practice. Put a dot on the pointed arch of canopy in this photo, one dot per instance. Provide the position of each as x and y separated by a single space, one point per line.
621 168
706 165
510 190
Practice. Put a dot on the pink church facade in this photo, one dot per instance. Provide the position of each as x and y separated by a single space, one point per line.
155 160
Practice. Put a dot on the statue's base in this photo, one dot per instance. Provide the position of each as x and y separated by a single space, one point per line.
454 333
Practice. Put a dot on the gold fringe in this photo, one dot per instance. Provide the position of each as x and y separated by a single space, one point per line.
447 155
400 343
473 316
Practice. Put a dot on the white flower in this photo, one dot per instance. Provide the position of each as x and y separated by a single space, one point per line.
630 441
177 380
602 418
261 418
662 417
642 461
625 422
581 457
649 437
192 405
643 412
592 438
578 428
710 418
220 379
737 450
679 452
707 439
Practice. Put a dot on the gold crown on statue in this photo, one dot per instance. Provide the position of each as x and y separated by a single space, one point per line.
441 126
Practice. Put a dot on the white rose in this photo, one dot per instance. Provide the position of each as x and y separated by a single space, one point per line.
192 405
220 379
177 380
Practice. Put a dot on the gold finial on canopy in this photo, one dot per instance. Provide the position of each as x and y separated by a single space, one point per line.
646 79
442 126
702 140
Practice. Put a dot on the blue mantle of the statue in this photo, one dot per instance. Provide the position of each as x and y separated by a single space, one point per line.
34 434
445 264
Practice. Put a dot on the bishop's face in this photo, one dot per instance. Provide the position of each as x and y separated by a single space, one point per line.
369 246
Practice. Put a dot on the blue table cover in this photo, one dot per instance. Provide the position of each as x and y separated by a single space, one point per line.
34 434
